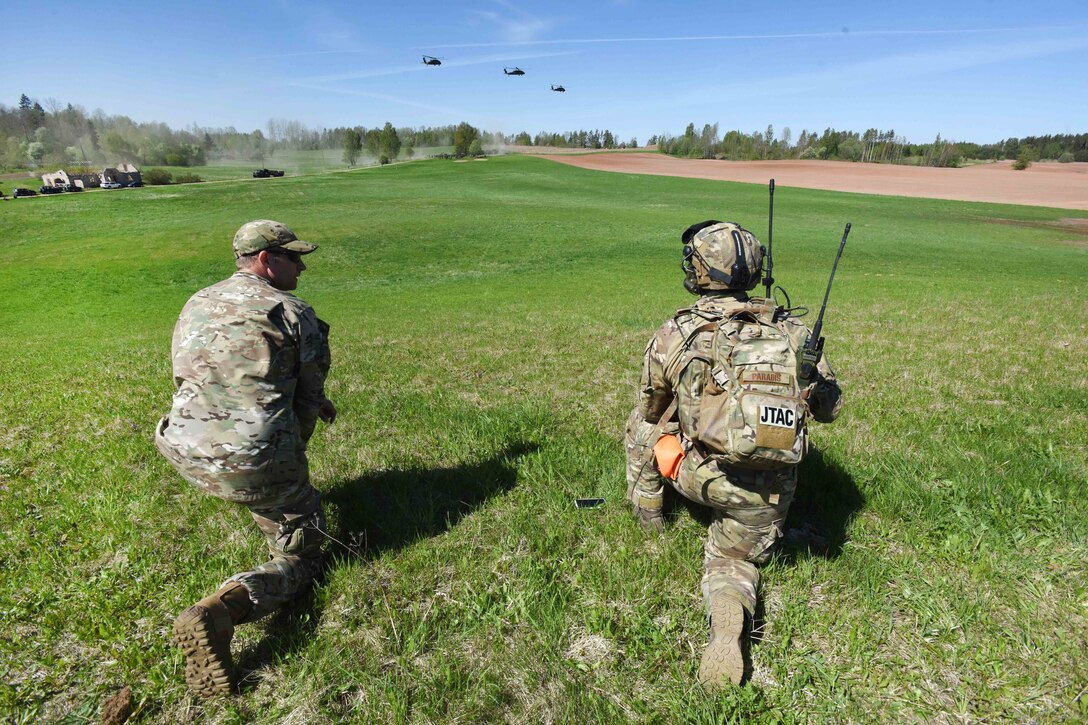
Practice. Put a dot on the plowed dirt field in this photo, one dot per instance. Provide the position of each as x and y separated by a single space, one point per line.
1064 186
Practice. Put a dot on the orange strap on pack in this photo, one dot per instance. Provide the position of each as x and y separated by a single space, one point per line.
669 455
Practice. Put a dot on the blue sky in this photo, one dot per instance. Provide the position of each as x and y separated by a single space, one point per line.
975 70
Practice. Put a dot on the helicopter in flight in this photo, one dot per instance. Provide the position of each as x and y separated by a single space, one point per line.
431 60
515 71
559 89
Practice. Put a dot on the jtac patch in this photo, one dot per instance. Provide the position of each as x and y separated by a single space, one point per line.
766 377
777 415
776 427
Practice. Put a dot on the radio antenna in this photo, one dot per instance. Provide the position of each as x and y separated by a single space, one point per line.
769 279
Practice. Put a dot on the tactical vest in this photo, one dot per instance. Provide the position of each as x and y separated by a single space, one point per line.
741 369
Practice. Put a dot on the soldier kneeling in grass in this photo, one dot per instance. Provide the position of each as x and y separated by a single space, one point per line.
722 408
250 361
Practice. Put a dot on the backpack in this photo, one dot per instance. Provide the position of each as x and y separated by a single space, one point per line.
750 410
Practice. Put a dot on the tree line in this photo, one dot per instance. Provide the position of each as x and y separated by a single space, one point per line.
466 140
34 135
388 143
873 145
55 135
595 139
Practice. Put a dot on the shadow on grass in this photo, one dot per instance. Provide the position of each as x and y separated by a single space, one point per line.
827 500
381 512
392 509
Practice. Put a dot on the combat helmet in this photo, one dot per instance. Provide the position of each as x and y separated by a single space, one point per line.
720 256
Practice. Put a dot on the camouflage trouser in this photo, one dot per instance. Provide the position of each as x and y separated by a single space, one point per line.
748 509
286 508
293 531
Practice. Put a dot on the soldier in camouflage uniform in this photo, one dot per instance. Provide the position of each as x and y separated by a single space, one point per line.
250 361
722 262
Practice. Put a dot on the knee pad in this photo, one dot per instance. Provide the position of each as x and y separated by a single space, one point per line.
730 538
303 536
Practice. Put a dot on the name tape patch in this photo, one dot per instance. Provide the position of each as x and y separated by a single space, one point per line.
778 416
766 377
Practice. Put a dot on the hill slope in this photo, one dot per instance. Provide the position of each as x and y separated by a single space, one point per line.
488 319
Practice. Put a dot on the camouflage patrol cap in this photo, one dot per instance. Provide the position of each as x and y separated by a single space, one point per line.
721 256
265 234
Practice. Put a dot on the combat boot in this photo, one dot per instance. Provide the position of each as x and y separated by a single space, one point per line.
650 519
204 631
723 658
647 510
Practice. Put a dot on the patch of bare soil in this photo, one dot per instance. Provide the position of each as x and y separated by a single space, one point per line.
118 708
1078 226
556 150
19 176
1064 186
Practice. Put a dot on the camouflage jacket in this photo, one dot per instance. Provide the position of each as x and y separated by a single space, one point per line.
249 363
660 382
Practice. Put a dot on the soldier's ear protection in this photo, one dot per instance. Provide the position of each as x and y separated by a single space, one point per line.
689 249
743 274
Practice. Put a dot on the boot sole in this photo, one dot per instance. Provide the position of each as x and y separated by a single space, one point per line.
209 670
723 658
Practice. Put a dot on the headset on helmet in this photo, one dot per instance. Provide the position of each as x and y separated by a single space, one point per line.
720 256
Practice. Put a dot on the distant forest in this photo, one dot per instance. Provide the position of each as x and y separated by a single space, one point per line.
37 136
873 145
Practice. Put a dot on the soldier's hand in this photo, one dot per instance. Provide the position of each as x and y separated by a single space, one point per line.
327 411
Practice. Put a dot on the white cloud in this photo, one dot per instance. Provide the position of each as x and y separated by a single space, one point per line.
516 26
323 27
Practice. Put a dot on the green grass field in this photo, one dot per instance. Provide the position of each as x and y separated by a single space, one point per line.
488 319
291 162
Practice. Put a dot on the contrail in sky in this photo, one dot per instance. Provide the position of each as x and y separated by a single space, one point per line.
419 67
776 36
